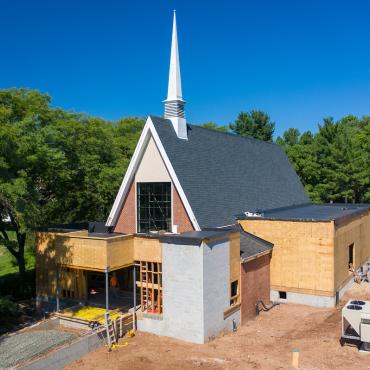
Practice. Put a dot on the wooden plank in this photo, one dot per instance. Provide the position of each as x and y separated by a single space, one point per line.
152 298
122 267
141 288
146 290
229 311
154 285
159 289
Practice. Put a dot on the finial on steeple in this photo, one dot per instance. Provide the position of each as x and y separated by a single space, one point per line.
174 104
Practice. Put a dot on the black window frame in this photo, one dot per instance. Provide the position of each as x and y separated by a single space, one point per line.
153 206
351 256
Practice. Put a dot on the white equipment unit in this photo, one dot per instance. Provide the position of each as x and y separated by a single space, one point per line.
356 322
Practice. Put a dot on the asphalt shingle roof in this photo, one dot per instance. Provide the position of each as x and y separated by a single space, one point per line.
251 245
223 174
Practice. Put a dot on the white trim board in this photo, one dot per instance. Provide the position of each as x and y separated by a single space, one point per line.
149 130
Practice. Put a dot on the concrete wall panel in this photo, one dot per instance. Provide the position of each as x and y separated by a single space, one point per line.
196 292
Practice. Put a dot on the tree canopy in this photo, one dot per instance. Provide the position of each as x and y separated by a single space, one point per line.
334 163
214 126
255 123
56 166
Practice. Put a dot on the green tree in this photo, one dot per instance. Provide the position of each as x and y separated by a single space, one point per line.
56 166
214 126
255 123
334 163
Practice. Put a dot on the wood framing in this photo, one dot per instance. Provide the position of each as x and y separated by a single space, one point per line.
150 284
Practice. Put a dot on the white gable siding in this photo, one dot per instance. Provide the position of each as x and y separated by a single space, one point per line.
152 167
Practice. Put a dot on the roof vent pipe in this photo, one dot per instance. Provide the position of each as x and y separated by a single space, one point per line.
253 214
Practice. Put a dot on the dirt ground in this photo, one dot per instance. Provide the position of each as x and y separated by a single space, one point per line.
263 343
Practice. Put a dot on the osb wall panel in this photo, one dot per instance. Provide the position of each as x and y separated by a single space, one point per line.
94 253
234 257
254 285
86 253
81 252
45 264
303 254
72 280
358 233
120 251
146 249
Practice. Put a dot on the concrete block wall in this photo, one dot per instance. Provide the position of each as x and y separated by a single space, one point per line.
182 281
196 291
216 288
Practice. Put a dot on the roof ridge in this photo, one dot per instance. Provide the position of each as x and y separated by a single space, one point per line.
234 135
251 138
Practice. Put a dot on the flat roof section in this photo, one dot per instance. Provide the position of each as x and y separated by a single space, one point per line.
196 237
337 212
94 228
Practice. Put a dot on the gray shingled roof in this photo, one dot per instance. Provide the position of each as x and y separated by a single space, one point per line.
251 245
223 174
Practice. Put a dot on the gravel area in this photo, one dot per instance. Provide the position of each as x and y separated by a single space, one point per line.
265 343
23 346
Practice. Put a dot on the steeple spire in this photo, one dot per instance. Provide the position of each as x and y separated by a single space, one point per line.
174 81
174 104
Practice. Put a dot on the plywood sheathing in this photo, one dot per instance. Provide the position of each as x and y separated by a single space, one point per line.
302 257
93 253
147 249
312 257
234 257
45 264
358 233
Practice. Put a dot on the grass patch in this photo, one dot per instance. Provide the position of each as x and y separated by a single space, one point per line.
8 264
11 284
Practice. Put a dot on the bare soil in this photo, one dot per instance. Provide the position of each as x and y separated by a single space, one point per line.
263 343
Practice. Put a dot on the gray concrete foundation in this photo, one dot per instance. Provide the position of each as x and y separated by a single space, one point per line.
311 299
306 299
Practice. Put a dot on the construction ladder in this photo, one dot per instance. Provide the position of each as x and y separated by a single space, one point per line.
111 333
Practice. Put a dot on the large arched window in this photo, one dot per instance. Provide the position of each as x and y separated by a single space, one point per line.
153 206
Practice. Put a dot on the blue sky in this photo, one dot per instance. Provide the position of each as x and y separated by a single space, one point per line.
299 61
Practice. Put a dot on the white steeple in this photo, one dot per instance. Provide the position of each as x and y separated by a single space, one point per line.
174 104
174 81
